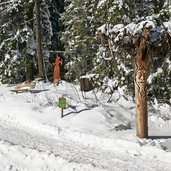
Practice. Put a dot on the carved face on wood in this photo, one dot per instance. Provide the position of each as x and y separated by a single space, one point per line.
141 77
140 83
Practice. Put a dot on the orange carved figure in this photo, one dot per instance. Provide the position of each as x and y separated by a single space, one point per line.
57 64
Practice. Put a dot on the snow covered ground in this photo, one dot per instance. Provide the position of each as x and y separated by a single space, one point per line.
92 135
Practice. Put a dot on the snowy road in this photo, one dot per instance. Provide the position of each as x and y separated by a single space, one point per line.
96 157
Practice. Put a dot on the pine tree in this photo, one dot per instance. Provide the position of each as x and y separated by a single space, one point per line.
11 42
30 42
79 36
134 12
56 8
18 50
18 60
110 63
51 31
40 58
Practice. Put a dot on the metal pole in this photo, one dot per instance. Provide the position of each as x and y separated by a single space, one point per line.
62 112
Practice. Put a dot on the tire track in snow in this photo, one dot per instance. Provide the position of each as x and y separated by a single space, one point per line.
73 151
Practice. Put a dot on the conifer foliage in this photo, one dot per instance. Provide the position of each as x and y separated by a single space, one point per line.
18 61
110 54
79 36
125 37
96 36
12 42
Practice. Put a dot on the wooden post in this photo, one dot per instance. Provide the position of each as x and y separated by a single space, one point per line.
141 73
85 84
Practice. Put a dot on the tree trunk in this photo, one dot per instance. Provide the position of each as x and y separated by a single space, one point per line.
141 73
38 41
29 64
29 68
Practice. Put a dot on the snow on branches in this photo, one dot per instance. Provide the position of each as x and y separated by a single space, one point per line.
128 36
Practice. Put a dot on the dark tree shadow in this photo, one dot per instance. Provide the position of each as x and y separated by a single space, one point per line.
11 85
75 112
159 137
38 91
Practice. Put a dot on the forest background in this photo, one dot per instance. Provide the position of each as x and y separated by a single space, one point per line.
71 27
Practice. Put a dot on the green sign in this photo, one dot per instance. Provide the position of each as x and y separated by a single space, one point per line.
62 102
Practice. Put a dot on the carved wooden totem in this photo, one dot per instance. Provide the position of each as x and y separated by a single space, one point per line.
141 73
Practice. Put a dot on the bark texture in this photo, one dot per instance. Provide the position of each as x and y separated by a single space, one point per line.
38 41
141 73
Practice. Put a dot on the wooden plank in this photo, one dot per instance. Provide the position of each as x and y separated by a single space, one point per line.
20 90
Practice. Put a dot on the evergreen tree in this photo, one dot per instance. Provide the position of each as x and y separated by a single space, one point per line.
11 42
18 61
79 37
38 28
85 53
18 45
55 8
155 12
30 42
111 64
